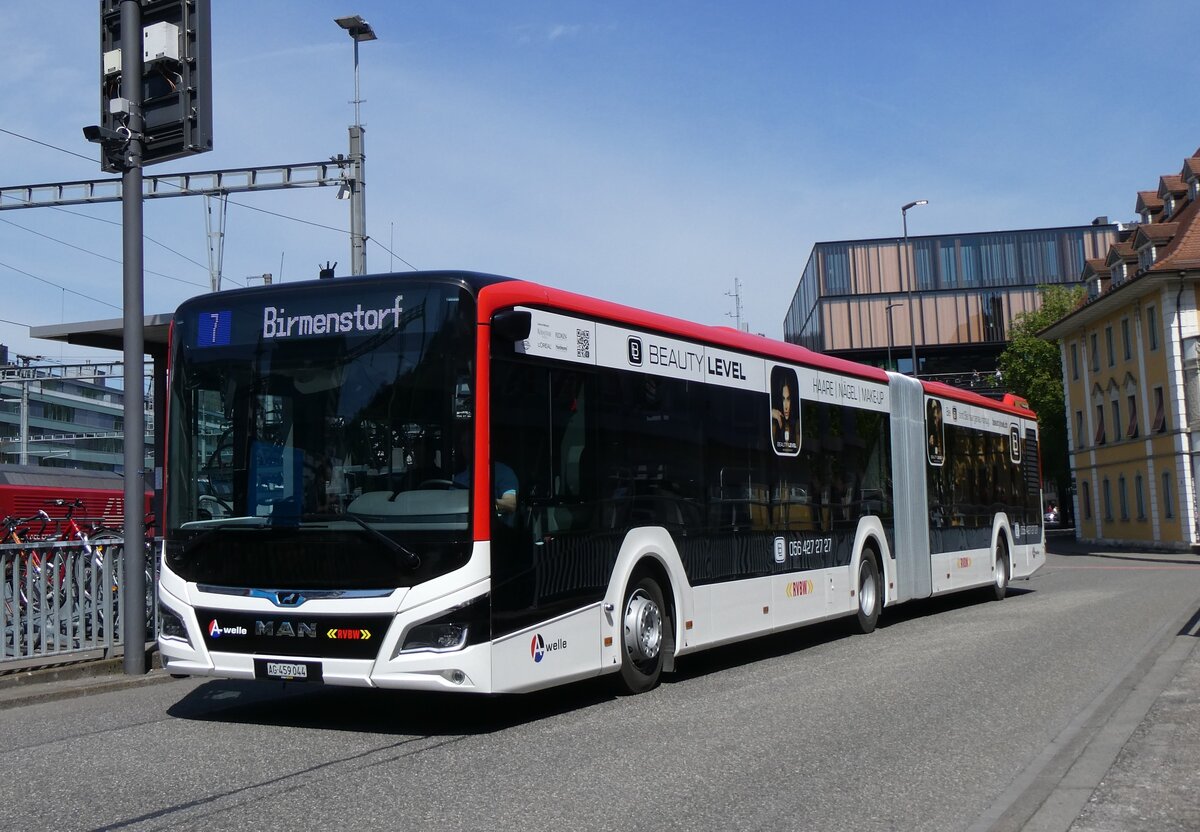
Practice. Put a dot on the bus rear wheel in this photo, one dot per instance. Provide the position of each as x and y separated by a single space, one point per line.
870 595
999 586
642 631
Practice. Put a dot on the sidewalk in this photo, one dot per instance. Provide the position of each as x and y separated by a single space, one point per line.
1148 753
76 679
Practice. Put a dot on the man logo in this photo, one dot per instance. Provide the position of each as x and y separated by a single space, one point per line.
288 599
635 351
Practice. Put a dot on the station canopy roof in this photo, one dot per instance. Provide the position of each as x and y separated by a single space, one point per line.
108 334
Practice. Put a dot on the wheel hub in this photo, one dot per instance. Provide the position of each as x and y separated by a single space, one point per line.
643 628
866 593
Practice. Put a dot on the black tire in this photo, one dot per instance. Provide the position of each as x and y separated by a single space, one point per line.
869 594
999 586
643 628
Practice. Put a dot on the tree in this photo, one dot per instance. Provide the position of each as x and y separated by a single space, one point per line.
1032 368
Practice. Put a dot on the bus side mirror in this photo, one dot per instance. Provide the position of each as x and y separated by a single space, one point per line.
512 325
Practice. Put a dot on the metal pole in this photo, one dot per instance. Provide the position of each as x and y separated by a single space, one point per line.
358 200
133 577
912 329
357 119
889 309
358 197
25 422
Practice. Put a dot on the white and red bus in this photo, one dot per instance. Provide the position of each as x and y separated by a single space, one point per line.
455 481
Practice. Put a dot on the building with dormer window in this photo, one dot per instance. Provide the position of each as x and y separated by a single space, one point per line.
1133 409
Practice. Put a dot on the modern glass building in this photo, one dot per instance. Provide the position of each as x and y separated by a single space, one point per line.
853 297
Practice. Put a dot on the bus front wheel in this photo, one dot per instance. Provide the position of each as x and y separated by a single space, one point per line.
642 629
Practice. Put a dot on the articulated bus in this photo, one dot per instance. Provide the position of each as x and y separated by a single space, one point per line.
459 482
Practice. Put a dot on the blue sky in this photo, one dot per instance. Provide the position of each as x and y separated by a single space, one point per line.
647 153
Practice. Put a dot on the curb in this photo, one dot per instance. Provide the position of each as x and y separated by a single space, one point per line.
76 679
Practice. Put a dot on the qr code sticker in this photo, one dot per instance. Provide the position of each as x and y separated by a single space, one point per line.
583 343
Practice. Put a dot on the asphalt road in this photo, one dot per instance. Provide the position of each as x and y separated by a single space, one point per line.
954 715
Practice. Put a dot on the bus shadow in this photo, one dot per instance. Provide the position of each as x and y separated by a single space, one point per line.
400 713
926 607
784 643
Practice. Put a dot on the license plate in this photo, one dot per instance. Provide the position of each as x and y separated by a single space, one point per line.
287 671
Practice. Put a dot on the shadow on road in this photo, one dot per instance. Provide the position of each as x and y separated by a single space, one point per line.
295 705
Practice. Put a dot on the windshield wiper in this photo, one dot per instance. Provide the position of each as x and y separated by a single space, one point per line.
212 527
411 558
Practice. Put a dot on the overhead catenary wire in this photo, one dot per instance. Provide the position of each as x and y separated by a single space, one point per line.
238 204
145 237
392 253
98 254
58 285
47 144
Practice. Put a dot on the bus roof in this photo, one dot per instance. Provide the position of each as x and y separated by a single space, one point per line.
496 292
520 292
1010 404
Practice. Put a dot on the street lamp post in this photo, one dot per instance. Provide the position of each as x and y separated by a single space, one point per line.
889 309
359 30
908 266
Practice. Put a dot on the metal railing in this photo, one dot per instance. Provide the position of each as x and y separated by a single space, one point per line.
62 601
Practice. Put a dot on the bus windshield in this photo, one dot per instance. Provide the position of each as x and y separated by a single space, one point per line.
321 439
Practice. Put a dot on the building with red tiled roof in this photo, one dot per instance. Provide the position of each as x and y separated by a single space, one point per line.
1131 372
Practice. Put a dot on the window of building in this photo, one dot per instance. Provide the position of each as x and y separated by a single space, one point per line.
1080 440
1098 439
1146 255
1095 353
1168 509
837 270
1160 412
1116 411
1125 343
1152 326
1087 500
1140 497
1132 430
991 306
1168 206
1106 490
1108 342
1074 362
1122 497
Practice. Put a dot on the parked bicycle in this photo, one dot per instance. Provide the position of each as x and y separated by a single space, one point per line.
33 583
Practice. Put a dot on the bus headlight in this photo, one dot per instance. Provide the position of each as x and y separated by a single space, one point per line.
437 637
172 625
452 630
